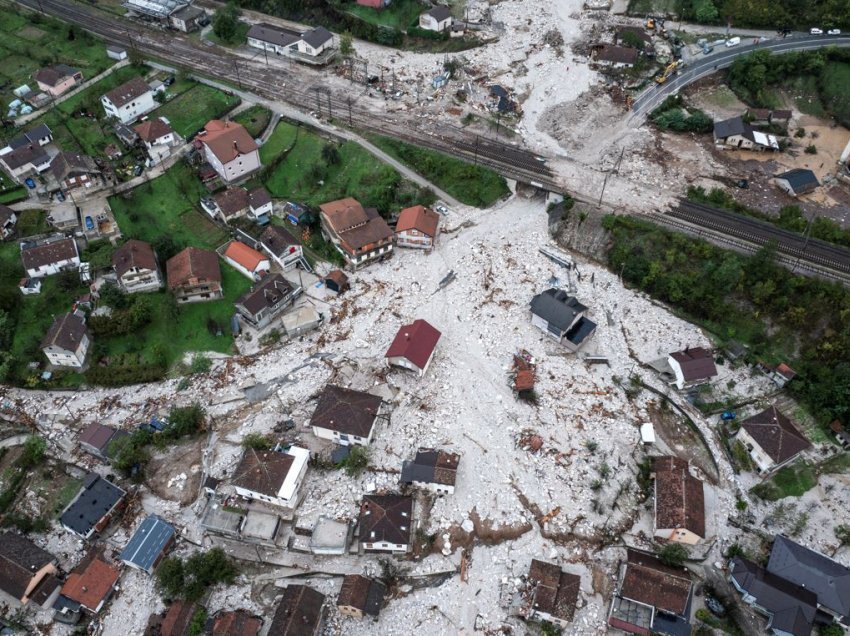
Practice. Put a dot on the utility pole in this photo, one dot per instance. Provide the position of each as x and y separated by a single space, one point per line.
266 54
616 169
238 77
330 112
808 234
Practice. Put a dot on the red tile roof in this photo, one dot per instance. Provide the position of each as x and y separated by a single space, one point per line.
416 342
649 581
418 218
92 585
153 129
238 623
227 140
247 257
192 264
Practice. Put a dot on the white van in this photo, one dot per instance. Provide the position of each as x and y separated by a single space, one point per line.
733 41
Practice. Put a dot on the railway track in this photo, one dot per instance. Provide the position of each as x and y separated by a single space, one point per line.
290 87
748 235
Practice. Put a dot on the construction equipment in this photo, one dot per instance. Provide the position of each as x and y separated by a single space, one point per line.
650 23
670 70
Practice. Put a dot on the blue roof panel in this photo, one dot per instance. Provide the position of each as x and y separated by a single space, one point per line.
148 543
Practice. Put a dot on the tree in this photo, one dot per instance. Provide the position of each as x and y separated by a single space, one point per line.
346 44
330 153
673 554
357 461
831 630
34 450
225 22
185 420
191 578
160 97
170 577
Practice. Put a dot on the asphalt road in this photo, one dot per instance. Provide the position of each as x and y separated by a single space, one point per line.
722 58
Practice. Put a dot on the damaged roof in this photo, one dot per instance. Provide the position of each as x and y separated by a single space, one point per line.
262 471
679 497
299 612
557 307
362 593
95 500
554 591
20 558
431 466
696 363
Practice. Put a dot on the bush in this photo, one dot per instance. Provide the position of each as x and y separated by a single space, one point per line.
811 149
257 441
200 364
673 554
35 449
113 375
184 421
356 462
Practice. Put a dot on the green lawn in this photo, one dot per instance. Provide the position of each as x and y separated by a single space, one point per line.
168 207
400 15
174 335
10 192
791 481
255 119
191 110
281 139
30 42
836 464
304 175
470 184
239 38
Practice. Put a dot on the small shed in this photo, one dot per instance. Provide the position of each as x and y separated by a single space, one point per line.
337 281
115 52
647 434
797 181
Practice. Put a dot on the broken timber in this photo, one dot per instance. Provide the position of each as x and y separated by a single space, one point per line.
559 256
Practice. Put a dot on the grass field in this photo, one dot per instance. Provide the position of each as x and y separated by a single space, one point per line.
32 222
255 119
469 184
282 138
168 206
305 175
30 42
791 481
10 192
192 109
400 15
835 90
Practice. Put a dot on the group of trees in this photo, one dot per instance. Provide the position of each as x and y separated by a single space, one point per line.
673 115
750 76
781 316
797 14
225 22
189 579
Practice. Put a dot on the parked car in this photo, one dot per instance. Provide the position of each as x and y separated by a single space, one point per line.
137 171
733 41
442 209
30 183
834 32
89 223
60 195
168 80
815 32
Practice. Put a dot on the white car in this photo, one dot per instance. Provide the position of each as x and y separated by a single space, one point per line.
442 209
815 32
834 32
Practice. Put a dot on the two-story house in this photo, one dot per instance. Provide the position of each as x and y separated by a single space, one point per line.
57 79
771 439
230 150
8 218
67 342
73 170
417 227
158 136
266 301
129 101
431 469
26 154
386 523
692 366
271 476
194 276
246 260
136 267
562 317
50 256
260 205
346 416
359 234
281 246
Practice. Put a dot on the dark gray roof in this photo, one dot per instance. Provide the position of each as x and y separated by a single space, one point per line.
800 179
188 13
22 155
440 13
277 240
432 467
31 136
729 127
793 607
20 558
273 35
557 308
829 580
317 37
93 502
66 332
271 293
580 331
299 612
148 542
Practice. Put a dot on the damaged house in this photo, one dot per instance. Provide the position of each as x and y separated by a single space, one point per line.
562 317
679 502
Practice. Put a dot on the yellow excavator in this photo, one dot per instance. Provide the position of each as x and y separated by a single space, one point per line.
670 70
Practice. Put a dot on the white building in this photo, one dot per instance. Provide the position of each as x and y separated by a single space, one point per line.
136 267
692 366
230 150
115 52
246 260
273 39
159 138
433 470
439 18
346 416
281 246
50 257
386 523
315 41
129 101
771 439
67 342
271 476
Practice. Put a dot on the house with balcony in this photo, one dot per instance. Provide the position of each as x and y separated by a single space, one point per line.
359 234
128 102
136 267
194 276
229 149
